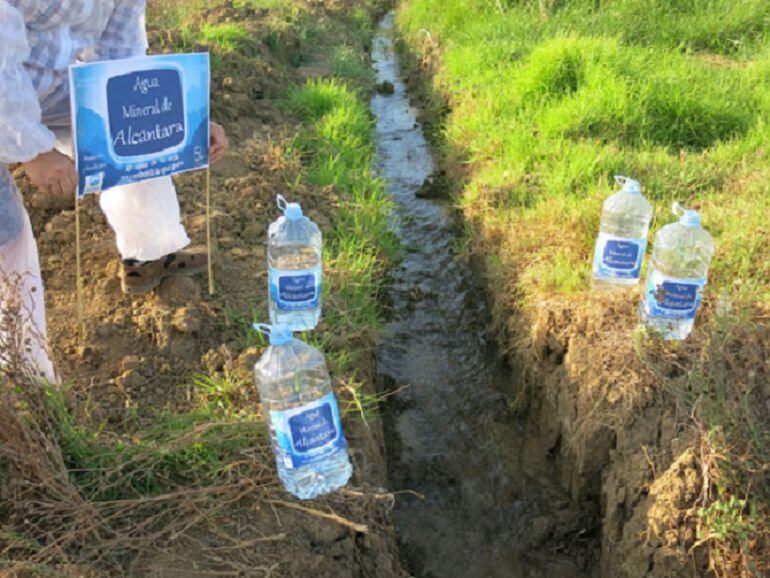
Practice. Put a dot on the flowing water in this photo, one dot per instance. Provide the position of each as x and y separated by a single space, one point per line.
486 490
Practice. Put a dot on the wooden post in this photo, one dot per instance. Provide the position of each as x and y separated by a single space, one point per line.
79 274
208 230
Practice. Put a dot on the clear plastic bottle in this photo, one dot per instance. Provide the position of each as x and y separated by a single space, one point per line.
294 257
680 261
299 405
622 237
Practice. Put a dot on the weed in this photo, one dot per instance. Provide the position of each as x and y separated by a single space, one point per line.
549 116
227 36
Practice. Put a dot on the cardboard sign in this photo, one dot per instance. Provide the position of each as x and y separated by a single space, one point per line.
139 119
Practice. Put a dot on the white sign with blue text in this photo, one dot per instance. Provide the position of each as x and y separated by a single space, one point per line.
139 119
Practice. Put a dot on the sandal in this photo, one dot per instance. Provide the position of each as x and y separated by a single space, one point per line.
138 277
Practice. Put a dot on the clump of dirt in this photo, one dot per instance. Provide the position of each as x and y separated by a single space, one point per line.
140 356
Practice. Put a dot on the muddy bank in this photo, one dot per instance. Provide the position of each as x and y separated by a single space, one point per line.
479 497
620 415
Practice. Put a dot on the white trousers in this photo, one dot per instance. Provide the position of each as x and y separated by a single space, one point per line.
146 220
21 273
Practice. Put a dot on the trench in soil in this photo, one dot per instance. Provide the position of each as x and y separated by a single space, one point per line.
474 481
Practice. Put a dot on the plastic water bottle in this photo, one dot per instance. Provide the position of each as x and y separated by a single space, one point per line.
298 402
294 254
622 237
677 275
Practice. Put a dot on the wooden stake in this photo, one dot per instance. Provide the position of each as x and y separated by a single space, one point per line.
208 229
79 274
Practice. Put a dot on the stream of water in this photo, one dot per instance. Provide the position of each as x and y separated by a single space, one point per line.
466 506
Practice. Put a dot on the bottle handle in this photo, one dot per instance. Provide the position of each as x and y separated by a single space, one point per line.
280 200
677 209
263 328
621 180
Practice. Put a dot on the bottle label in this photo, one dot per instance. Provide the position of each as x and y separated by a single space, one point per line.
309 433
617 257
296 289
672 297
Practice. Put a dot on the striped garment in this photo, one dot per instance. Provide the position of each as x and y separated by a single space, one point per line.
39 39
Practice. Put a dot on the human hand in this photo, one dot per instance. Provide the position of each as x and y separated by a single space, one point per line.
218 144
53 173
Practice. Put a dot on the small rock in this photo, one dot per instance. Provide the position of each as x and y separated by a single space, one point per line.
540 528
254 231
131 363
105 330
338 343
178 290
129 380
433 187
213 360
324 533
181 348
244 365
186 320
85 351
385 87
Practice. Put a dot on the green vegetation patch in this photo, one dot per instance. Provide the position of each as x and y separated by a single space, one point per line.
550 106
551 98
340 151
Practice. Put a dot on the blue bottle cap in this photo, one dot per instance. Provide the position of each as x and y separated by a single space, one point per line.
687 217
629 185
278 334
291 211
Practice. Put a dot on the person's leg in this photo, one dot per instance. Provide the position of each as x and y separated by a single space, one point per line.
145 216
148 229
146 220
21 286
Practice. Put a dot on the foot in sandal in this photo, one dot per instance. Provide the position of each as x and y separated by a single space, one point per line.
138 277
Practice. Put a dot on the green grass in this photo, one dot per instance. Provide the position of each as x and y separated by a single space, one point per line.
349 63
227 36
278 24
547 106
192 449
550 108
338 141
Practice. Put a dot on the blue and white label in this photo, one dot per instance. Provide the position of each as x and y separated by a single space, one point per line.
139 118
618 257
295 290
308 434
146 112
672 297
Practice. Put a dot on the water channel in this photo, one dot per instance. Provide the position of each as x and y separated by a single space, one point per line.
473 490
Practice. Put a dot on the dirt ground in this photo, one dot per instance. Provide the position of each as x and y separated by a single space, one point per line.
622 442
140 354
